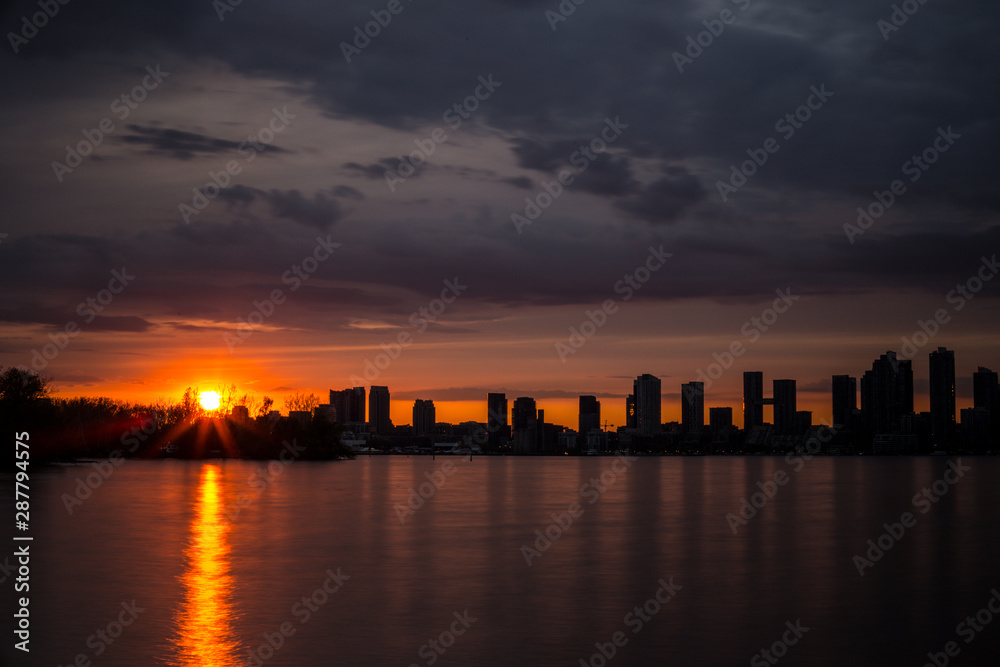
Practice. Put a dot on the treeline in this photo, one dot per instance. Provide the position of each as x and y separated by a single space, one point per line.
72 428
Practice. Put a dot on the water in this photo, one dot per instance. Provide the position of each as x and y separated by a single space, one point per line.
207 591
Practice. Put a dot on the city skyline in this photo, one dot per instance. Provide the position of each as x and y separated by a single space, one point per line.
846 391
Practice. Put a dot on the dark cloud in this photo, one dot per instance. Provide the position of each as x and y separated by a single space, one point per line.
522 182
607 176
541 156
372 171
784 226
664 200
347 192
87 318
185 145
320 211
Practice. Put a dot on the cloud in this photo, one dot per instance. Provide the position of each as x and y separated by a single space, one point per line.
666 199
183 145
347 192
522 182
321 211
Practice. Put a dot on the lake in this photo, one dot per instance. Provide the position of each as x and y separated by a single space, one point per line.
634 562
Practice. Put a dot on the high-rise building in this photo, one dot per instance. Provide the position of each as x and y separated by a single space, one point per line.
942 395
692 406
524 420
496 419
753 399
785 421
423 417
646 389
720 419
378 410
886 394
845 400
349 404
630 411
590 415
803 420
984 388
986 395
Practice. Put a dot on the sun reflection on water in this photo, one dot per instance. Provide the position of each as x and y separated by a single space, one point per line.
204 624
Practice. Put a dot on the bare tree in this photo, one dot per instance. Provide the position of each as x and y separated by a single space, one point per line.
300 401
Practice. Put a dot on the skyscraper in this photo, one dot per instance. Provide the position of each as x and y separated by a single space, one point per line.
496 419
692 406
942 394
630 411
720 419
986 395
753 399
590 415
350 404
886 394
424 417
378 410
524 420
845 400
646 389
785 421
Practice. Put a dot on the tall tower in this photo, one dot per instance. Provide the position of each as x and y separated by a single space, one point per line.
424 417
350 404
845 400
986 394
886 393
785 420
496 419
524 419
692 406
647 404
942 394
590 415
753 399
378 410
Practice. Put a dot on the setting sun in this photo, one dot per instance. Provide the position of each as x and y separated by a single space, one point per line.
209 400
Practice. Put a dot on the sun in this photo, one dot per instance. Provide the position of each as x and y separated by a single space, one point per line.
209 400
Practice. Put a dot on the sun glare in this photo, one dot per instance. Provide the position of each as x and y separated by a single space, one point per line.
209 400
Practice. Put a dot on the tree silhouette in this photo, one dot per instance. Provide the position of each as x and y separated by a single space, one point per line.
19 388
301 402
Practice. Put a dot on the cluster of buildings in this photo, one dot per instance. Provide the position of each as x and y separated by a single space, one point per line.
883 421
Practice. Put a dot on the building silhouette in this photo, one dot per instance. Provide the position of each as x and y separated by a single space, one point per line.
753 399
349 405
646 389
496 420
942 395
423 417
692 406
525 423
590 415
886 394
630 411
844 391
720 419
378 410
986 397
785 420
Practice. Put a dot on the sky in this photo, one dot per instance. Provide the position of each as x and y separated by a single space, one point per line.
541 198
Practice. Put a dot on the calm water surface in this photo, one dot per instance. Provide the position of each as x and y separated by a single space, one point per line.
210 584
